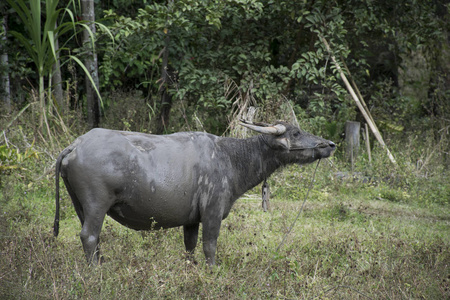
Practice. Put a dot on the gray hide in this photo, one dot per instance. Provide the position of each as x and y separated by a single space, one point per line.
146 181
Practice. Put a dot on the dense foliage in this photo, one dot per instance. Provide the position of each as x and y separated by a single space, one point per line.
221 53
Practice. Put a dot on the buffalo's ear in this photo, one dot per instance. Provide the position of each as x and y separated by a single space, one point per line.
283 143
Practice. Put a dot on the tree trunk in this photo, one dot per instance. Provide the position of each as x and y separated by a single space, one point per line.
166 98
352 138
5 90
90 61
56 78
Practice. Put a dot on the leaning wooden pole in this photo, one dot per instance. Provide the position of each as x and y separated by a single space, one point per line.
355 88
365 113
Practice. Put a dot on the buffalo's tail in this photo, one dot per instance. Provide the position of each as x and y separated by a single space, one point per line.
57 172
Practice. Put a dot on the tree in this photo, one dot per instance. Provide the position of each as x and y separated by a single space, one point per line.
270 49
90 61
5 87
166 97
56 77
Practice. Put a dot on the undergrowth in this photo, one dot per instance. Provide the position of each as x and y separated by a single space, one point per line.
370 231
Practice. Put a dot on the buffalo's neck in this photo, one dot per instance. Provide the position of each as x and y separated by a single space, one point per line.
252 161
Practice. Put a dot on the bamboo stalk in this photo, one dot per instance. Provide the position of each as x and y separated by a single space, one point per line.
365 113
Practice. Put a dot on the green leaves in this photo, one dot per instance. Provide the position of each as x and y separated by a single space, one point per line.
39 43
12 158
270 48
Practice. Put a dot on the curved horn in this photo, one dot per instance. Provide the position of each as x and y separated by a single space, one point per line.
277 129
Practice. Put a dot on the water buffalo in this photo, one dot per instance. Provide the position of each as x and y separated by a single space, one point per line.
146 181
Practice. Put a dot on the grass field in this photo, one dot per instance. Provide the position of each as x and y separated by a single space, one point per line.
364 238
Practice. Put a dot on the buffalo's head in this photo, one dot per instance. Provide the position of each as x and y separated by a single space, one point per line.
292 143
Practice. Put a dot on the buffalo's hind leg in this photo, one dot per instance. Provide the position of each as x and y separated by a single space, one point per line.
76 203
90 233
190 239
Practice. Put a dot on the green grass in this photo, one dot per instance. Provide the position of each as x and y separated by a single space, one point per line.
353 240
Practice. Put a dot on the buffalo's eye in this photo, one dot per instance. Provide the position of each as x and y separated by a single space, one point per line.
297 134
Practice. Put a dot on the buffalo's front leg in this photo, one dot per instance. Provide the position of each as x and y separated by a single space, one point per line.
211 228
190 239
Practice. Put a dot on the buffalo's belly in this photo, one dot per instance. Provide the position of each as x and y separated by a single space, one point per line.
153 214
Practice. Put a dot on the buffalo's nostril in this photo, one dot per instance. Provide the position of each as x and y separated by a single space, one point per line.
331 144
